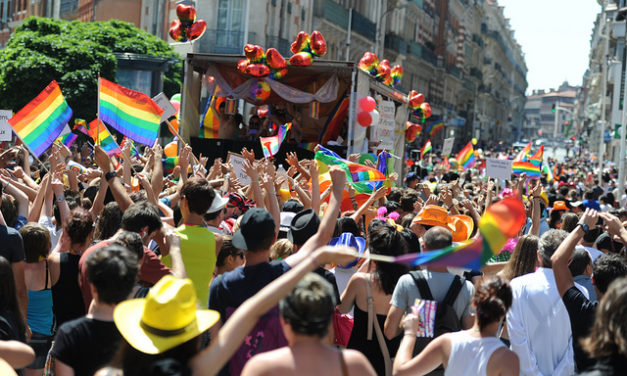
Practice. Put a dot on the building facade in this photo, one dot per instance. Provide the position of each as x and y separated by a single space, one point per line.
552 114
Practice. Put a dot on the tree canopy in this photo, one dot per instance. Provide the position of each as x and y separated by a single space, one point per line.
73 53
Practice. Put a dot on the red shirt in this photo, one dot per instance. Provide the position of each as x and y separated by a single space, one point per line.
150 271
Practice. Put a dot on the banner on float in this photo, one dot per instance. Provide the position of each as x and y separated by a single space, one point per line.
385 128
447 148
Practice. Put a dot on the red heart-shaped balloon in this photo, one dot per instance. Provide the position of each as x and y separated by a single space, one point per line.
242 65
300 42
275 60
369 61
197 29
186 13
253 52
426 110
258 70
318 44
177 31
415 99
301 59
384 70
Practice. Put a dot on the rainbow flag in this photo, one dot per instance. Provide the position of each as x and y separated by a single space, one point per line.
67 139
466 157
333 127
425 149
501 221
81 126
354 171
169 163
523 153
270 145
41 121
434 128
549 174
311 146
209 123
130 112
531 165
134 152
100 134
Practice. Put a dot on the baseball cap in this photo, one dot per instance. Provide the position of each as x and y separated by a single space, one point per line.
256 225
411 176
304 225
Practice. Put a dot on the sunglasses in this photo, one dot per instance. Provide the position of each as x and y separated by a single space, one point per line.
241 254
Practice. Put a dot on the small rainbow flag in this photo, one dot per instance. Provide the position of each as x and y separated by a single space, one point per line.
333 127
466 157
435 128
134 152
523 153
531 165
354 171
100 134
169 163
314 110
67 139
130 112
501 221
547 170
425 149
41 121
270 145
81 126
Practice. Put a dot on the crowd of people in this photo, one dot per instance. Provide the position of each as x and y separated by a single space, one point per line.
112 265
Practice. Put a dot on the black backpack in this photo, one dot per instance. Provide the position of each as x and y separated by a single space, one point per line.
446 319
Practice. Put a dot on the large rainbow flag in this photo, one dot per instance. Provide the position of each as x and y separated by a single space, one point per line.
466 157
333 126
100 134
209 122
41 121
355 172
130 112
501 221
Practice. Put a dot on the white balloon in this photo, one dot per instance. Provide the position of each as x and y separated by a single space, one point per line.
375 117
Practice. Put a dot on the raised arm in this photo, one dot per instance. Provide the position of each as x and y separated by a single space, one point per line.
117 189
315 186
535 209
35 210
376 195
231 335
98 204
157 170
429 359
559 259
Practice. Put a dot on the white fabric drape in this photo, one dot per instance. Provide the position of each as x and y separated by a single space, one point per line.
327 92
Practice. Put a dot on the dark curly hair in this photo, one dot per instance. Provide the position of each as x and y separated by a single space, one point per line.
492 300
606 269
386 240
309 307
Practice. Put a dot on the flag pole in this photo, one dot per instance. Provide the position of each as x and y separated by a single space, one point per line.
176 133
98 113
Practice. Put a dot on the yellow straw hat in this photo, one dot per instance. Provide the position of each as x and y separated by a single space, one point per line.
166 318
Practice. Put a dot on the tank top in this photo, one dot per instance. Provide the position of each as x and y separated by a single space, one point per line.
198 248
66 293
470 355
39 314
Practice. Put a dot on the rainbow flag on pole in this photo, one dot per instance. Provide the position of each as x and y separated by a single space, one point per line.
466 157
101 135
529 164
130 112
270 145
67 139
42 120
425 149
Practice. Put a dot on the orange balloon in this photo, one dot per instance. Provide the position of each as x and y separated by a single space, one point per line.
171 149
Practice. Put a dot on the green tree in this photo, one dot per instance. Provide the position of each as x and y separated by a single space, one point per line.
73 53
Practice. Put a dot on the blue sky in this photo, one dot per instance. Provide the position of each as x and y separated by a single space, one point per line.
555 38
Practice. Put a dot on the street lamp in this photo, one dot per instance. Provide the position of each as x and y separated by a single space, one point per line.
379 34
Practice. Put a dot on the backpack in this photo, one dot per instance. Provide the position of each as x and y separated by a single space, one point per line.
446 319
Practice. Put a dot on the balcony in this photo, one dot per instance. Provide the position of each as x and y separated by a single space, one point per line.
337 14
396 43
475 72
230 42
454 71
281 44
429 56
363 26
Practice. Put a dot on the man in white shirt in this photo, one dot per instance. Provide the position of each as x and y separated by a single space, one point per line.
538 323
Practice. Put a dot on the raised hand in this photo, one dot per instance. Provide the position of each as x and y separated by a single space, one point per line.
338 179
101 158
249 154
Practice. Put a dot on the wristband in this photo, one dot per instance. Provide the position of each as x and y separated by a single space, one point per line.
584 227
110 175
60 198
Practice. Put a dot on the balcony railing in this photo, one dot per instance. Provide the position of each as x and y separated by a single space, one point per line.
336 13
364 26
281 44
226 41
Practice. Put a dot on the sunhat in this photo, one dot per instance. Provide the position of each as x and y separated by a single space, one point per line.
461 226
560 205
432 215
350 240
166 318
218 203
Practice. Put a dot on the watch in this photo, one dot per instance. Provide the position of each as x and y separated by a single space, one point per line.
584 227
110 175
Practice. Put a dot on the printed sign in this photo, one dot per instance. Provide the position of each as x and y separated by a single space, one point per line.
499 168
385 129
168 110
5 128
447 148
237 161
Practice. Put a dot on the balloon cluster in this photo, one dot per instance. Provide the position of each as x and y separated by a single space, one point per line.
305 47
368 114
390 76
186 28
262 64
418 105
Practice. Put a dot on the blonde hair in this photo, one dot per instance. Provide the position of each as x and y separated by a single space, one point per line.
281 249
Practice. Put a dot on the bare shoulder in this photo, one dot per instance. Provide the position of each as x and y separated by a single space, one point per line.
260 364
357 363
109 371
503 362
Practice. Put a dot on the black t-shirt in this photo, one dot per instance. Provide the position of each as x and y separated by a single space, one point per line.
86 344
12 247
329 277
581 312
